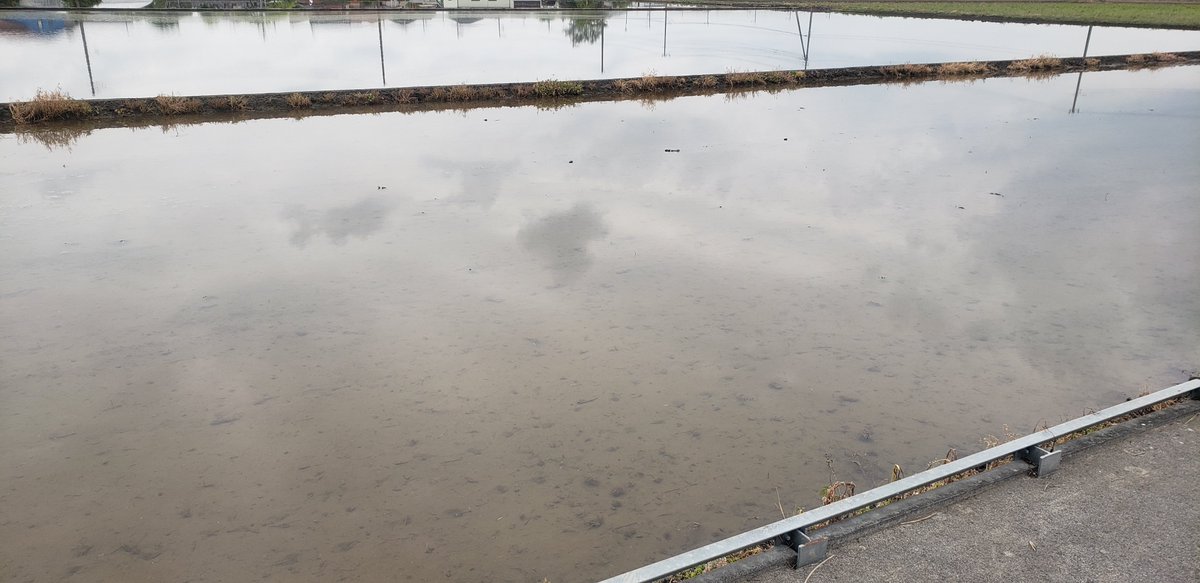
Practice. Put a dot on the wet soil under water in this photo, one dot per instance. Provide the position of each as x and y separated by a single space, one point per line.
517 343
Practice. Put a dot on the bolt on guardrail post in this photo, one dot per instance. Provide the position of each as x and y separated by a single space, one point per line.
1044 462
808 550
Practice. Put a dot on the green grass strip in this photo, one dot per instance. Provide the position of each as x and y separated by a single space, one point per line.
1118 14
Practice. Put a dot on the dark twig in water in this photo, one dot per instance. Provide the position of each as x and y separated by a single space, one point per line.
678 489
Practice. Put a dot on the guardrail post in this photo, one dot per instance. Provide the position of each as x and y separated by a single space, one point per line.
1044 462
808 550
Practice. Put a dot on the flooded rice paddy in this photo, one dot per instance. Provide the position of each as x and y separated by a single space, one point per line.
107 55
515 343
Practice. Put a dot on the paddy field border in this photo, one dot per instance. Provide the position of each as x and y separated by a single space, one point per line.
51 110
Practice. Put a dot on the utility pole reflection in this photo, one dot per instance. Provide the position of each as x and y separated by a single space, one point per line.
664 32
804 44
1079 81
87 57
382 67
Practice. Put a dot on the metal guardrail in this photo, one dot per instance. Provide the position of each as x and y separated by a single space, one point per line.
791 530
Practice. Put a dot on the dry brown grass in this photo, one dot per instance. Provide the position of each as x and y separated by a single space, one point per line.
837 491
298 101
647 82
707 81
778 77
717 563
1036 64
744 79
1151 60
403 96
1167 57
457 93
176 105
1091 63
652 82
963 69
625 85
1038 68
463 93
907 70
48 106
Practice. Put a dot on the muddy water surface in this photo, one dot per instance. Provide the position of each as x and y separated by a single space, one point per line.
508 344
105 54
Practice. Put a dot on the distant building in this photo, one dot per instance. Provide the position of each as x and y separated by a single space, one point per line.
48 25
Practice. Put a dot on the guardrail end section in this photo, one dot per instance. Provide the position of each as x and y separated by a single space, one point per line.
1044 462
808 549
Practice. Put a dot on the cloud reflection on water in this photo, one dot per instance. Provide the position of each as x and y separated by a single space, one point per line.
560 241
339 224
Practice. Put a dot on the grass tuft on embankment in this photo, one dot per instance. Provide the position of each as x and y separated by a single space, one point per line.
48 106
177 105
556 88
1152 60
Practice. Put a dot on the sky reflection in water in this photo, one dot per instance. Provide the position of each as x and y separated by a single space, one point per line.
361 344
131 55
